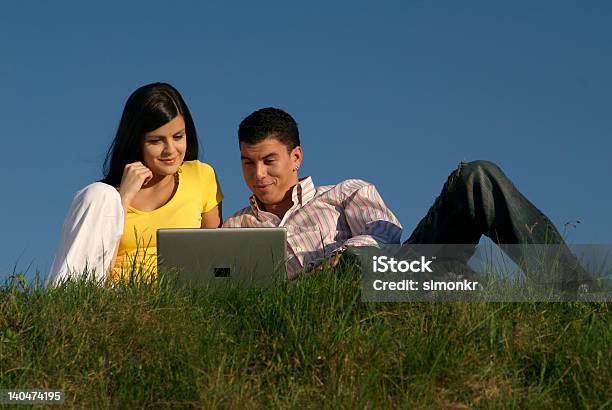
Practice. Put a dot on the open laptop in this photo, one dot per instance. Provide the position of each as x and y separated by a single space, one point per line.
217 257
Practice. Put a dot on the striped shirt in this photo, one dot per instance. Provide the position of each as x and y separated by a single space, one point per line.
325 219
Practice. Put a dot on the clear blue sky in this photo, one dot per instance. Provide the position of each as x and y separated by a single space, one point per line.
394 92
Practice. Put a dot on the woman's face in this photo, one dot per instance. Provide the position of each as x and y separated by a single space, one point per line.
163 149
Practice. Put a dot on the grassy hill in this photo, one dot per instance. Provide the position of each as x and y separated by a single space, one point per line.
308 343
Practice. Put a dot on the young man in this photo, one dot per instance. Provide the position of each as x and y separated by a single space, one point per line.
324 221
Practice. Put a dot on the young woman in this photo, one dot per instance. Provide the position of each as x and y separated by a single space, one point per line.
153 180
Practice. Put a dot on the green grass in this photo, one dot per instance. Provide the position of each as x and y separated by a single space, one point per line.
309 343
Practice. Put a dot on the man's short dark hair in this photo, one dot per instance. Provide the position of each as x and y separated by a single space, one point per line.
269 123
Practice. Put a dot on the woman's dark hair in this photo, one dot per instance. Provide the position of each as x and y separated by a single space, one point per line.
148 108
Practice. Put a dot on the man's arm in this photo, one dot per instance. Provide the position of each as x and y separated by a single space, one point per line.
370 221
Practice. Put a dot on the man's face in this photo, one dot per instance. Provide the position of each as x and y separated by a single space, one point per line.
269 169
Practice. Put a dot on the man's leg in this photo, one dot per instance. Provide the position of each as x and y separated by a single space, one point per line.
479 199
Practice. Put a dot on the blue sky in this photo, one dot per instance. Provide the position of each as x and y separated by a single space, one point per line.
394 92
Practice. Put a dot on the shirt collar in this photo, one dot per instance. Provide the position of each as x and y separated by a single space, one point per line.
301 194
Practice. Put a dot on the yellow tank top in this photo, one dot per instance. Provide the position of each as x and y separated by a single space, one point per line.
198 192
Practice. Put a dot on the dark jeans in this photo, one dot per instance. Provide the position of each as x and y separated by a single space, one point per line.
479 199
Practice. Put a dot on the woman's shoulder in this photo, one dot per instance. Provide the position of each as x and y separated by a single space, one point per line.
197 167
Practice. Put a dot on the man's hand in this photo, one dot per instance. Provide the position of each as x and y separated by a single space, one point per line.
330 262
135 175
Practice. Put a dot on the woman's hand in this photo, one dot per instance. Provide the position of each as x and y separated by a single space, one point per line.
135 175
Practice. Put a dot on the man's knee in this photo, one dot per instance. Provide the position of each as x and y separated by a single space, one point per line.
479 164
480 168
